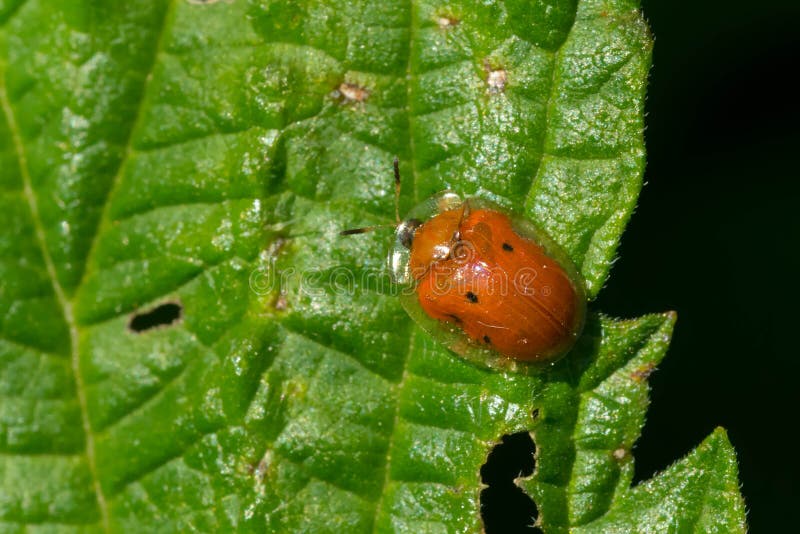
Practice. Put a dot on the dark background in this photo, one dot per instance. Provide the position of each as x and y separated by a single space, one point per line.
716 237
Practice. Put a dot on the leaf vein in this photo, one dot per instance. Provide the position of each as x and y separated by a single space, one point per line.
64 303
117 179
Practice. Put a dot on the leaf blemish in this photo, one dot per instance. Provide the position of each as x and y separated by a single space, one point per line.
642 373
161 316
351 92
280 303
276 247
446 22
260 470
496 78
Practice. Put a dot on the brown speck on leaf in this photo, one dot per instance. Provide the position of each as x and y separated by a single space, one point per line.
261 469
280 303
276 247
496 79
261 472
266 280
620 454
446 22
351 92
643 372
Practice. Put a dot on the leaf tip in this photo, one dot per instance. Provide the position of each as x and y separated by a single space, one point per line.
719 441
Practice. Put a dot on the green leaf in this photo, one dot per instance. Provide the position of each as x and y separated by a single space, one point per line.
697 494
206 154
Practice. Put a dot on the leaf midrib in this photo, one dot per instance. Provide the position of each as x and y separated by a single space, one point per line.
58 291
66 304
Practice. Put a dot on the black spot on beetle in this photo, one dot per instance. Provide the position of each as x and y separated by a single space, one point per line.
162 315
508 247
487 340
472 297
454 317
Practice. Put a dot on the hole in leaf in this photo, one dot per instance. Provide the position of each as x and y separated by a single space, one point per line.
162 315
505 508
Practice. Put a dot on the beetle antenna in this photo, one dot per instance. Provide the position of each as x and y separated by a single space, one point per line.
465 211
396 190
366 229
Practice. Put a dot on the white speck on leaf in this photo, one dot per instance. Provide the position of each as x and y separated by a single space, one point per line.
353 92
496 80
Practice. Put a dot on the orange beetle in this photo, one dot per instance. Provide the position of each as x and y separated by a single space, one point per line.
491 287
